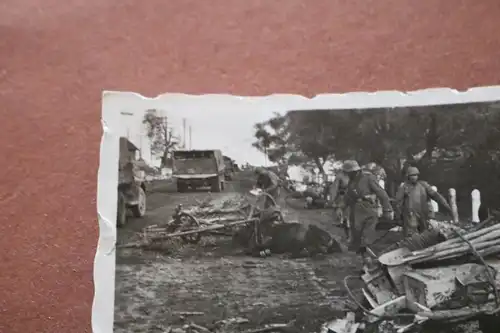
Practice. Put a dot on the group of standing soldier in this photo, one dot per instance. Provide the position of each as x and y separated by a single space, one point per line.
356 195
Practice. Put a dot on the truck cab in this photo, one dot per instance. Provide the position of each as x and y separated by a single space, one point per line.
194 169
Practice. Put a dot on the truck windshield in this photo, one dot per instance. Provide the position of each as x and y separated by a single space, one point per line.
194 163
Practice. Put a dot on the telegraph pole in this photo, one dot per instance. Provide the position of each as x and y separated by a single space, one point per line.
190 138
184 132
164 120
140 145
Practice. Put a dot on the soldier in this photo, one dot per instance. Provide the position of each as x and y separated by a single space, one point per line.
362 193
269 182
412 202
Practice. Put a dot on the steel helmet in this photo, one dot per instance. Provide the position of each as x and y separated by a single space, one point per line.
259 170
351 166
413 171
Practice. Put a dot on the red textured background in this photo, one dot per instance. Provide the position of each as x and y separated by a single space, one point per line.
57 56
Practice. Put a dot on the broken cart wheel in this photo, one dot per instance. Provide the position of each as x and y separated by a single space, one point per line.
187 222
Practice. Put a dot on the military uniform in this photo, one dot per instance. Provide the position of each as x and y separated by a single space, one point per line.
337 195
412 200
269 182
362 193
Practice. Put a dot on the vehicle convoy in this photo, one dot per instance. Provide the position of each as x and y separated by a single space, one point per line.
193 169
131 183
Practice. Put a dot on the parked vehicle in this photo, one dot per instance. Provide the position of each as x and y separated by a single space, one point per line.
199 168
131 183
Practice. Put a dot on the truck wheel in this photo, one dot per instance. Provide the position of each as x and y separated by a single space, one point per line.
216 185
139 210
121 211
181 187
489 324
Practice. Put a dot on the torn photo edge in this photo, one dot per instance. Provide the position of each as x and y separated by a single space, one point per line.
114 101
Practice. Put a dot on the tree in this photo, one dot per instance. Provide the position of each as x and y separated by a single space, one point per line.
439 140
316 136
300 138
390 139
163 141
272 139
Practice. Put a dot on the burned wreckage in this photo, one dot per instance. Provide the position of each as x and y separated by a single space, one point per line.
444 275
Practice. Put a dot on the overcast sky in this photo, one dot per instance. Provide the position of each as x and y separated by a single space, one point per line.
232 132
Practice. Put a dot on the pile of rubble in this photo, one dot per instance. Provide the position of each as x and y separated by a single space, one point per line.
444 275
210 216
258 231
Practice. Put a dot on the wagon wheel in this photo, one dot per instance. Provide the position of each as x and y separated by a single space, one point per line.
245 211
259 205
188 222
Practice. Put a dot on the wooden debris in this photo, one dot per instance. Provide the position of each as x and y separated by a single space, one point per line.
199 328
273 328
486 241
211 216
151 239
232 321
188 313
448 293
203 229
177 330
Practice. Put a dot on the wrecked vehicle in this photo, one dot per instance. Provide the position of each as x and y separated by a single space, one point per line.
445 275
131 183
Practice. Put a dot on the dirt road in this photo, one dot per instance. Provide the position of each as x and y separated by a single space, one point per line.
215 278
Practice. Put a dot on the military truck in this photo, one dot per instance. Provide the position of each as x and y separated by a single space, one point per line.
198 168
131 183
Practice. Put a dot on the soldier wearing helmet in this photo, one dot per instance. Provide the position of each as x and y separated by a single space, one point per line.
412 202
362 193
269 182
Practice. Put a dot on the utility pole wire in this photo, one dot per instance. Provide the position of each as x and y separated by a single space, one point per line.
184 130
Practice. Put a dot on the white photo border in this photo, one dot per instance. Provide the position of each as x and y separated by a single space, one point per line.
114 101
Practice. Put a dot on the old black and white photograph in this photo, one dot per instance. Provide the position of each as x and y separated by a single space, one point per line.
321 220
